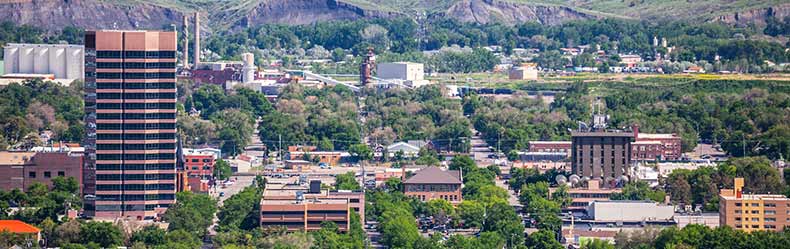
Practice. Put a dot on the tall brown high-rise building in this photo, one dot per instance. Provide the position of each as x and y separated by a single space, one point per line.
130 106
601 154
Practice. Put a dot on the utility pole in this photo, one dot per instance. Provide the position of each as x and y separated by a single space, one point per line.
450 149
280 147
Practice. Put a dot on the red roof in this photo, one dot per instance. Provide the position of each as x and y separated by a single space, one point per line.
15 226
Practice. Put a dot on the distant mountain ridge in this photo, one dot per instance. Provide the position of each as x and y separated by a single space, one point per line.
233 14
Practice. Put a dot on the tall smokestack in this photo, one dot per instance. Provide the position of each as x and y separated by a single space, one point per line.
186 42
197 39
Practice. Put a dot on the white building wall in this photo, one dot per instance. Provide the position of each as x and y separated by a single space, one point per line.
629 211
401 71
63 61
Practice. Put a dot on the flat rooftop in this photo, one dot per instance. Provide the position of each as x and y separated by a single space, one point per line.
305 201
757 197
602 134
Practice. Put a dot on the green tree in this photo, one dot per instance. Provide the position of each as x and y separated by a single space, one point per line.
464 163
192 212
472 213
67 233
543 239
562 196
398 229
182 239
149 235
240 210
502 219
360 152
222 170
103 233
394 184
597 244
346 181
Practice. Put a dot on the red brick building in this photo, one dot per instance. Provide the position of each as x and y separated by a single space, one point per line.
215 77
434 183
22 169
669 148
199 164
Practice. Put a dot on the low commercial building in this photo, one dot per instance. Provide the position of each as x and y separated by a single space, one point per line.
543 161
655 146
581 197
304 208
550 146
706 219
630 60
666 168
22 169
406 149
753 212
434 183
630 211
297 165
331 158
525 71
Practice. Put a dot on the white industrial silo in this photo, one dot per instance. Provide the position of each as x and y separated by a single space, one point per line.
248 72
75 65
26 54
40 60
57 61
11 57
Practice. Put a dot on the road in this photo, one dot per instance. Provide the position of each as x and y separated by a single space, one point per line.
480 152
241 183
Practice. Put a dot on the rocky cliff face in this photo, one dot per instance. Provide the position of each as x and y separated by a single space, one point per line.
89 14
305 12
757 16
486 11
139 14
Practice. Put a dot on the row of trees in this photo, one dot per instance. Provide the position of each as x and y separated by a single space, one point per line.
701 236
